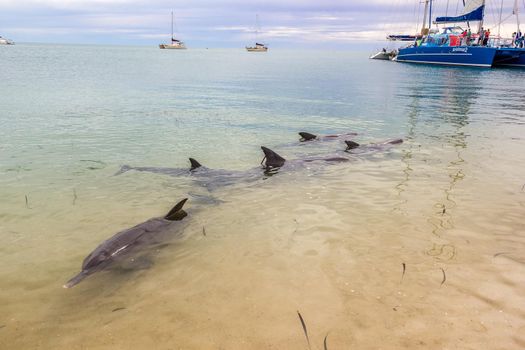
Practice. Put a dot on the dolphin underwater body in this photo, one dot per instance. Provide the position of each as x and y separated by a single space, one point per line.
306 136
354 147
129 242
273 162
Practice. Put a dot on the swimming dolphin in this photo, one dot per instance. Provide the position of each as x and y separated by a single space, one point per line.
129 242
351 145
273 161
306 136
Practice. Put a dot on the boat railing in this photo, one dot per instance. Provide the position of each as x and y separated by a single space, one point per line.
501 42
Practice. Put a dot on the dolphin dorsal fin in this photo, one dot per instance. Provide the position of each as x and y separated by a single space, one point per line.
194 164
306 136
176 213
273 160
351 145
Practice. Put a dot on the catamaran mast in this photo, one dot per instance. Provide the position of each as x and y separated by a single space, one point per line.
499 22
516 12
468 23
423 31
430 16
482 17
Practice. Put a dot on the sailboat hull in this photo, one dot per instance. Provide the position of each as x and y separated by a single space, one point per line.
475 56
256 49
6 42
172 47
510 57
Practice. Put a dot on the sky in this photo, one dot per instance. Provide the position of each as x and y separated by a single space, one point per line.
224 23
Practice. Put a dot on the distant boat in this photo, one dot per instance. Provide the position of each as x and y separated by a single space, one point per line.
401 37
175 43
4 41
258 46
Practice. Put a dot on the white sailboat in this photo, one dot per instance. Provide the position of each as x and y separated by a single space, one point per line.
4 41
258 47
175 43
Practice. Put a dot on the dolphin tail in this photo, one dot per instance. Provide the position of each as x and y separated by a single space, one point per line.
351 145
76 280
273 160
306 136
176 213
194 164
123 169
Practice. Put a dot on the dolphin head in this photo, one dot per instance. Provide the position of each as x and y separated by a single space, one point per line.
351 145
273 160
76 280
94 262
122 170
306 136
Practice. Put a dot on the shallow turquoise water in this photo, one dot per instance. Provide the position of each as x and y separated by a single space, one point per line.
450 197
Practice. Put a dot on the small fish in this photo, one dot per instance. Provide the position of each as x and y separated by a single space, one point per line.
118 309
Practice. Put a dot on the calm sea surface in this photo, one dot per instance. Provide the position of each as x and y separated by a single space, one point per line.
420 245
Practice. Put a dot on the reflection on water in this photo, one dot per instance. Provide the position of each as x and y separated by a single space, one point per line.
414 246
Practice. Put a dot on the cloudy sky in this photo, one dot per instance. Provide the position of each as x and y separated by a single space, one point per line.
219 23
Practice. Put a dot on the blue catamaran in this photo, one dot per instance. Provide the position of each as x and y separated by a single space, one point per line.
455 46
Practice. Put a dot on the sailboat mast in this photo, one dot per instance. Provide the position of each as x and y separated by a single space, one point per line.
499 22
482 17
516 12
468 23
423 31
171 25
256 28
430 16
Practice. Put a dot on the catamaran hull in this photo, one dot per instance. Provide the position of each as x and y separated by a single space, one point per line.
510 57
475 56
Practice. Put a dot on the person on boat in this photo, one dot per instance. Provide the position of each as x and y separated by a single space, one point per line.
464 38
517 39
469 36
481 36
486 37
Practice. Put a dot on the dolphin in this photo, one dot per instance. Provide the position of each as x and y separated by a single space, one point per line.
352 145
130 242
306 136
273 162
215 178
